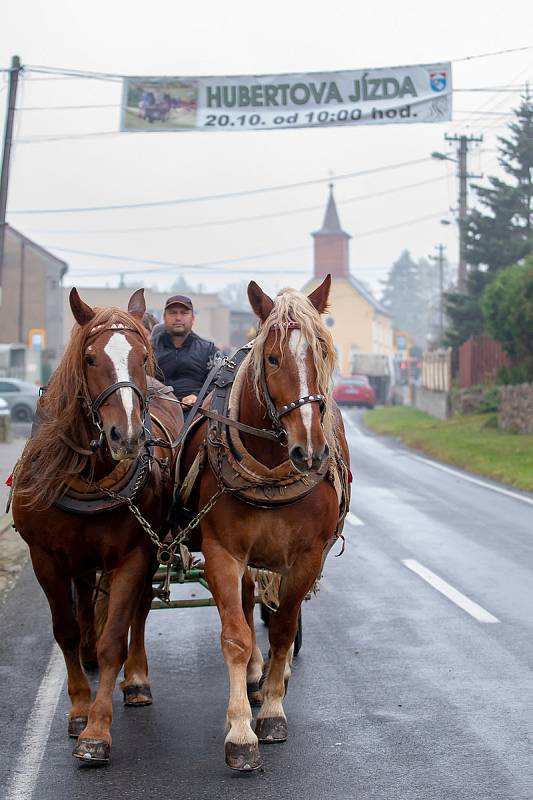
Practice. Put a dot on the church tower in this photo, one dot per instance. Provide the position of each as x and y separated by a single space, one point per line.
331 244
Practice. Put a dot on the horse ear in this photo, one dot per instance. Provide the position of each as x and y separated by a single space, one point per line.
82 312
137 305
261 303
320 297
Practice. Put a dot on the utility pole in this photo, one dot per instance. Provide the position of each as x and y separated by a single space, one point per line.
462 160
6 155
440 260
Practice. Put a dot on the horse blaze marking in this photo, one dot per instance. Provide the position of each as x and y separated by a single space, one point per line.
118 349
298 347
448 591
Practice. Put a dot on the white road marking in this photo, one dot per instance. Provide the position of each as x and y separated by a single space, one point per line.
353 520
477 481
448 591
118 349
37 730
298 347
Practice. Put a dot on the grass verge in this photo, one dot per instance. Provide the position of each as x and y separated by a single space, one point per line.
472 442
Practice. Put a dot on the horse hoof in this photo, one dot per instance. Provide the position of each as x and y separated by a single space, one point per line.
139 695
242 757
93 752
271 729
255 695
76 725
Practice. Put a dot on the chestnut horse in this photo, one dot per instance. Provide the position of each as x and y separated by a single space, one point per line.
291 360
97 401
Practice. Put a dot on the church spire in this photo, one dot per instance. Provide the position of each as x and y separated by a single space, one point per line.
331 224
331 244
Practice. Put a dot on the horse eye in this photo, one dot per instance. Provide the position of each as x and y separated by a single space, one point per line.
145 359
273 360
89 360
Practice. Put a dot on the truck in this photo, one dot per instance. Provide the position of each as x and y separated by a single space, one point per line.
380 372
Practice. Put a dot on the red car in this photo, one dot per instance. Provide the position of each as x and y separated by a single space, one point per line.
354 390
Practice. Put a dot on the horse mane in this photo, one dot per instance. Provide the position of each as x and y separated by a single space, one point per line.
290 304
47 462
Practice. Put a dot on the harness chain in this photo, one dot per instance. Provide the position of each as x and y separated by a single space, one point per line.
166 551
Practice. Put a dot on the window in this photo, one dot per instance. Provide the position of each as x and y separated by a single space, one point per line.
7 386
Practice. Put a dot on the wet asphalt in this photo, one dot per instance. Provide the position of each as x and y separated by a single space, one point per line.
397 691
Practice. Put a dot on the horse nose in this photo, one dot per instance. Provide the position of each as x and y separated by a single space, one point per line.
123 441
307 462
115 435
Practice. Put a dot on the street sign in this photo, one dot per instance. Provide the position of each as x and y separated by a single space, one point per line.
37 339
402 344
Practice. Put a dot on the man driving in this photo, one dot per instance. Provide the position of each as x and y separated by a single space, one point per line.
183 357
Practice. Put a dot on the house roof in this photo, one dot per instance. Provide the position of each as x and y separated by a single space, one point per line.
367 294
359 287
331 225
43 250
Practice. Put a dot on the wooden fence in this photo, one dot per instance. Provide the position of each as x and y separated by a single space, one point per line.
480 359
437 370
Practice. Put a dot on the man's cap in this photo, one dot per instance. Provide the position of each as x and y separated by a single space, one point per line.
179 299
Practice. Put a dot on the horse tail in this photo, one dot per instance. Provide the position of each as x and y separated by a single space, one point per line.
101 603
268 584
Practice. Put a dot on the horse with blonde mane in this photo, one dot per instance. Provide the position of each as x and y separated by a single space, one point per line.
293 461
88 457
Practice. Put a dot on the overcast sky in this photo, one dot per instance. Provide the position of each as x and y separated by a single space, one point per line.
168 37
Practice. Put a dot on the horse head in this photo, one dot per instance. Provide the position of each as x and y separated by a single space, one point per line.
293 368
115 353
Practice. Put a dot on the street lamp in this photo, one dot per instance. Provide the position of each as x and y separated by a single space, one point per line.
442 157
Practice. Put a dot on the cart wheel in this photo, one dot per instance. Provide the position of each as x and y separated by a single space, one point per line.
266 613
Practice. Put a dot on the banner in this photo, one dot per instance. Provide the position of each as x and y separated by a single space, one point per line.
309 100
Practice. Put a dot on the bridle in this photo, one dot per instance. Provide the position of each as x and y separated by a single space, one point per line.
276 414
92 407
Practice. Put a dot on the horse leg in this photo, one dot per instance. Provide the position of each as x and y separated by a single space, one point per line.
255 665
271 724
84 585
224 575
57 586
136 686
127 582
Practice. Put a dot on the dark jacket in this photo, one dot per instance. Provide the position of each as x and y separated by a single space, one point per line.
184 368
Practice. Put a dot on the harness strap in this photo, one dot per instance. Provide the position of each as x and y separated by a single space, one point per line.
196 405
102 397
262 433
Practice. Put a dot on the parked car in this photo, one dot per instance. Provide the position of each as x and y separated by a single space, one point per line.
21 397
354 390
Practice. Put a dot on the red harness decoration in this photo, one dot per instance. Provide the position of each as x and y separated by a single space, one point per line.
9 481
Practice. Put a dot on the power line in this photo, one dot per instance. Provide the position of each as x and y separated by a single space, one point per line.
170 265
61 137
67 108
224 195
78 73
235 220
493 53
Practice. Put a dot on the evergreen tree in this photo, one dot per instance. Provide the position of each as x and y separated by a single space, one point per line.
401 294
500 231
412 296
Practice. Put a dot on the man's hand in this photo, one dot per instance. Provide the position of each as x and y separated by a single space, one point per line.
189 400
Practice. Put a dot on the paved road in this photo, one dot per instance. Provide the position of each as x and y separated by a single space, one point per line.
399 691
